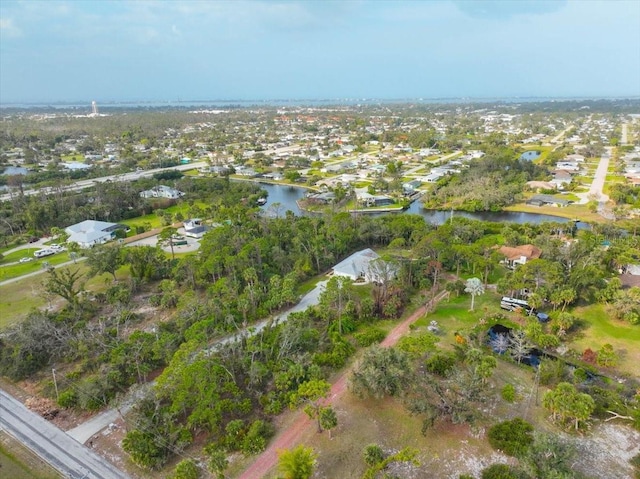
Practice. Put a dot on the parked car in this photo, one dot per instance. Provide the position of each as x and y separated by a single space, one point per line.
26 259
542 317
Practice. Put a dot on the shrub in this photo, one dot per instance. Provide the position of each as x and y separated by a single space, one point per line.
441 364
186 469
235 433
68 399
499 471
512 437
373 454
369 336
257 436
635 462
508 393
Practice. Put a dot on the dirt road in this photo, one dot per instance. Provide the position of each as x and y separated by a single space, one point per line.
290 437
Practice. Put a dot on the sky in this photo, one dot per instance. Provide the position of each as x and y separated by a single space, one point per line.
179 50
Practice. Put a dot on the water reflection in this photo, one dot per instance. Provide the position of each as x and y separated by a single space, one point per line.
286 197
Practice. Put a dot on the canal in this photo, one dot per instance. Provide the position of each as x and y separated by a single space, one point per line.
286 197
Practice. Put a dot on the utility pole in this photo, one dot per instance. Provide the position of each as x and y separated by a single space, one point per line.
55 383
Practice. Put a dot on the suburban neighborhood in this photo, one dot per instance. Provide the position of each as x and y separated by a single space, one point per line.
177 285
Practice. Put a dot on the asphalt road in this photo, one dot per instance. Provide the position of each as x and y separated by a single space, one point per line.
54 446
134 175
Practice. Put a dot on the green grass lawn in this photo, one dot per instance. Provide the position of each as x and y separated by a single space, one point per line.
16 462
154 220
596 328
20 297
17 255
454 314
77 158
20 269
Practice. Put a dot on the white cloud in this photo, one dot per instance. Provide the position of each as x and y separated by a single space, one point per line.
8 28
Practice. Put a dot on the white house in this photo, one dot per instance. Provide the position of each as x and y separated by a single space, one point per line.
162 191
359 266
89 233
195 228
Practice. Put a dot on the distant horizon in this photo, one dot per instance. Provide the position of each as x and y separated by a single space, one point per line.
326 100
59 51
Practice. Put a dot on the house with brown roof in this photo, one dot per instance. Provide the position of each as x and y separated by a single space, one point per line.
516 255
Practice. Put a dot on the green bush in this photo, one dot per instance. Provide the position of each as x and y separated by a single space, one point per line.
508 393
68 399
373 454
369 336
235 433
635 462
499 471
441 364
186 469
255 440
512 437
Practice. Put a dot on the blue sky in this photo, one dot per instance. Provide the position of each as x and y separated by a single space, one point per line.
198 50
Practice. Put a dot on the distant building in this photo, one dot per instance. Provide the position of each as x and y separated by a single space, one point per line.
542 200
195 228
162 191
411 186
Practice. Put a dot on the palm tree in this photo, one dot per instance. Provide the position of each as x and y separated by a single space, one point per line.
297 463
474 286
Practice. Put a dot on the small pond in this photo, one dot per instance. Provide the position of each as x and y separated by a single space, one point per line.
530 155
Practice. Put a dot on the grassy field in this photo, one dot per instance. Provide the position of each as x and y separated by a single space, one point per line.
580 212
20 297
20 269
17 462
17 255
597 328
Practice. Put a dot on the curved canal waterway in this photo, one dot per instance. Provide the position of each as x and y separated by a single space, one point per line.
286 197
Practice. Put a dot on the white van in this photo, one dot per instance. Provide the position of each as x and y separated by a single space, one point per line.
43 252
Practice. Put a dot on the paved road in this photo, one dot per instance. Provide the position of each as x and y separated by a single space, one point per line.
71 458
134 175
556 139
624 135
598 182
414 170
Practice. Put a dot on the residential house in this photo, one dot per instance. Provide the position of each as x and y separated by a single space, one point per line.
410 187
561 178
547 200
89 233
518 255
162 191
195 228
359 267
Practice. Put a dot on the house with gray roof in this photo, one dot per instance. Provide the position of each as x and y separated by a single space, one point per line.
89 232
359 267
